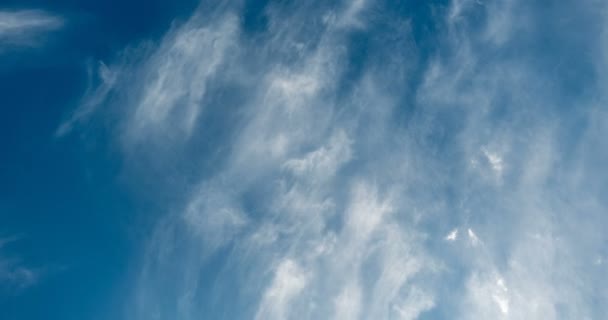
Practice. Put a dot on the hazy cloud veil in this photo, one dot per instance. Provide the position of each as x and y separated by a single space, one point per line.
24 27
370 160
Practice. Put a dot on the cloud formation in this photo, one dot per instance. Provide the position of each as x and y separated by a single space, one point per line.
24 28
341 161
14 276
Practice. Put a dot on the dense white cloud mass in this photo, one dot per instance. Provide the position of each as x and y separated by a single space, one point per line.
333 163
24 28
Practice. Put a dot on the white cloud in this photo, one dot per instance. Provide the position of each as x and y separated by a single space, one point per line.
23 28
473 237
348 303
452 236
95 96
499 296
415 303
212 214
15 276
326 197
165 91
487 298
288 282
352 14
324 162
495 161
366 212
176 79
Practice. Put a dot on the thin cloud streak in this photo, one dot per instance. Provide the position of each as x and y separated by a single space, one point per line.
14 275
25 27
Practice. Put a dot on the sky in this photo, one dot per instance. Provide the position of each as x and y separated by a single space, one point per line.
269 160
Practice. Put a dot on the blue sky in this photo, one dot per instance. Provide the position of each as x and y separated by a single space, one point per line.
303 160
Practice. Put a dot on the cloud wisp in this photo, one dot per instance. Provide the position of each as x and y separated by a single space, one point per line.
340 161
14 276
26 28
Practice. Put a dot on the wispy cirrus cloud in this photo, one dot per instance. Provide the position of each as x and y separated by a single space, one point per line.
26 28
14 275
97 93
314 177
